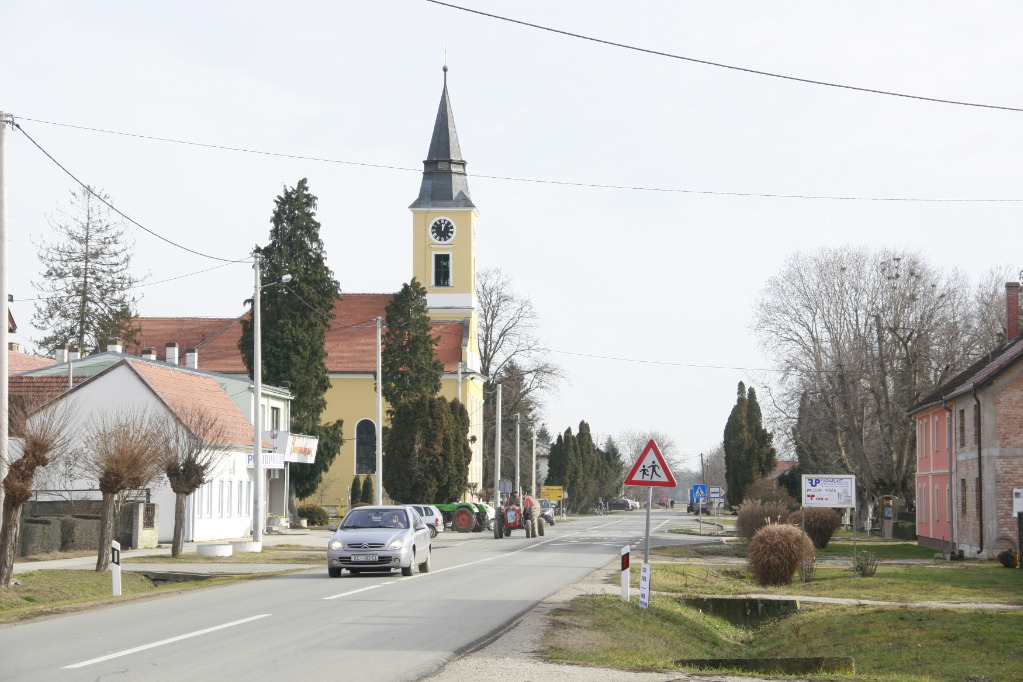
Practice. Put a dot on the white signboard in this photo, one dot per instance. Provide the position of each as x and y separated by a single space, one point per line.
829 491
715 492
644 586
271 460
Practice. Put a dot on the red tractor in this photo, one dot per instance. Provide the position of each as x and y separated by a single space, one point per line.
515 515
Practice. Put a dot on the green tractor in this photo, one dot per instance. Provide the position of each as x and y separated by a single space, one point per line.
466 517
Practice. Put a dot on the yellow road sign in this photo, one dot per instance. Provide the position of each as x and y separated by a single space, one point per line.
552 492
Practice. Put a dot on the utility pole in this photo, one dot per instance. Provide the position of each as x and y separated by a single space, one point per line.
378 492
5 120
532 475
518 476
497 451
257 408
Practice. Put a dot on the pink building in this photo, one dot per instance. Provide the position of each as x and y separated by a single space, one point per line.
969 436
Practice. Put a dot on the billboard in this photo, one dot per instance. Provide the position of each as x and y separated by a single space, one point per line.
829 491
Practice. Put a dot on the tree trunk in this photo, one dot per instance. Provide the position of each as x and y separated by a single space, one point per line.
292 502
106 533
179 524
9 543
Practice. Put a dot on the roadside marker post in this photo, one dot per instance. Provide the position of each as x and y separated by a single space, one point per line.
652 471
115 561
625 572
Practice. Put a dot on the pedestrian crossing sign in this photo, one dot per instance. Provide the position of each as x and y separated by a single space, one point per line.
650 469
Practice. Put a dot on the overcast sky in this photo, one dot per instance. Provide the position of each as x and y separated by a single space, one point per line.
606 178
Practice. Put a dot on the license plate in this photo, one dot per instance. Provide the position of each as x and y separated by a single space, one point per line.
364 557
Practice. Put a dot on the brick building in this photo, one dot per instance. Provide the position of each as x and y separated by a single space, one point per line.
970 450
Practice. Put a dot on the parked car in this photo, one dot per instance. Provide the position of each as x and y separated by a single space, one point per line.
621 504
547 511
432 516
379 539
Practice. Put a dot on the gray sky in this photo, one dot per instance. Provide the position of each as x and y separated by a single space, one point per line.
661 281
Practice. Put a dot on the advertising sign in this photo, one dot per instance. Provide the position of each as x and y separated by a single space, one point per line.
271 460
829 491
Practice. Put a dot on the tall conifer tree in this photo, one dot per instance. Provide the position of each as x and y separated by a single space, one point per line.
410 369
739 471
294 320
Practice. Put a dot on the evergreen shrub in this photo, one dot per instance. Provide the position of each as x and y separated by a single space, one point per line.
1009 558
777 551
367 491
820 523
314 514
754 515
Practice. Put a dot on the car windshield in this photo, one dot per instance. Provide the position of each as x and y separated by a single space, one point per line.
375 518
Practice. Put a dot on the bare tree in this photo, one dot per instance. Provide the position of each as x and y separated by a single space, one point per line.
125 453
43 436
860 336
632 443
193 443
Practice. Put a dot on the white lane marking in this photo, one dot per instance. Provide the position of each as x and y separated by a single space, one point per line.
165 641
361 589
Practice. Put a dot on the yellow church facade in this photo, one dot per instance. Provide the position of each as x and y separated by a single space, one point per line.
443 222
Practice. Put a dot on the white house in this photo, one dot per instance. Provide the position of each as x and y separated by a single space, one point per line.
222 508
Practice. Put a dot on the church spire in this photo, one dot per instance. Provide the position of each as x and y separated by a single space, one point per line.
445 184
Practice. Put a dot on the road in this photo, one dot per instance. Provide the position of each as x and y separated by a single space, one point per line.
306 626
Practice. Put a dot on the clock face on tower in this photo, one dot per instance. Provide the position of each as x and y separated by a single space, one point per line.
442 230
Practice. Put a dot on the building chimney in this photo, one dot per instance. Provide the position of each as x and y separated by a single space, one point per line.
192 358
1011 310
171 355
114 346
13 345
60 354
73 354
149 354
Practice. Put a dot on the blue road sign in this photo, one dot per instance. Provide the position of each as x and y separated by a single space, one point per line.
699 491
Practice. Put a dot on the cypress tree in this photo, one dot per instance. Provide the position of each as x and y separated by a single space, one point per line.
739 471
356 493
762 453
367 491
410 368
295 318
415 443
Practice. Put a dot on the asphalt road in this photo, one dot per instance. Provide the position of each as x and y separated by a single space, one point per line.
306 626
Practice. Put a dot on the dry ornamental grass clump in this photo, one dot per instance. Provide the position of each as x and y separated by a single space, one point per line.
776 552
820 523
754 515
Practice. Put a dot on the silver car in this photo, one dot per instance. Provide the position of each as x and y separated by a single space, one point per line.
379 539
431 516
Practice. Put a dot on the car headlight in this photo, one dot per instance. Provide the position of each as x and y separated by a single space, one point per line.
336 545
396 544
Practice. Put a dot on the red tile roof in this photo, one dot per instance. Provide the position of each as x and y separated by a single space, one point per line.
185 392
350 341
37 390
780 468
23 362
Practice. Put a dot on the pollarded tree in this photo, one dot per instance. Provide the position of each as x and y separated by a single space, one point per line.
294 318
87 277
410 369
193 444
42 437
124 453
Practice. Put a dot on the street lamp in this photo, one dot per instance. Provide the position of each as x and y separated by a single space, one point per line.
258 516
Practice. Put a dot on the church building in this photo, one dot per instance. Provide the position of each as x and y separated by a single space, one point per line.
444 262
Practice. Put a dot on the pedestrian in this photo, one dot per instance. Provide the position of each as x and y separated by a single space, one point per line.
672 503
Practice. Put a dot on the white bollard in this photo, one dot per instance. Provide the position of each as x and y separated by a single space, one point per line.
625 573
115 560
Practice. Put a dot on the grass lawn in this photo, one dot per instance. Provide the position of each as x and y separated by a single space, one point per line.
893 644
280 554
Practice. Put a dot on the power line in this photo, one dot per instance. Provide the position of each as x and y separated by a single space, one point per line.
89 189
538 181
719 65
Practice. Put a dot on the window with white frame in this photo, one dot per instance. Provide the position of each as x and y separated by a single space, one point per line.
442 270
241 500
227 503
198 502
209 500
937 503
220 499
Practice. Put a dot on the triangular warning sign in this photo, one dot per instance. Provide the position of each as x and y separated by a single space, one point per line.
650 469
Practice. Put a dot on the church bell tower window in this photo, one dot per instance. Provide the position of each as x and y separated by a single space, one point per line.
442 269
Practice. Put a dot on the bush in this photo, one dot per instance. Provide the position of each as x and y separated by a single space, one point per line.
768 491
754 515
1009 558
314 514
820 523
777 551
866 564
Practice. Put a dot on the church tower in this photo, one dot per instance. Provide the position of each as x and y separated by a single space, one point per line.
444 225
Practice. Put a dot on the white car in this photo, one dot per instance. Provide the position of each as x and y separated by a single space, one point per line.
432 516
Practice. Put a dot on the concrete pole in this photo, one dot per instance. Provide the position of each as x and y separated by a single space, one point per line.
533 474
518 473
378 490
5 119
497 451
258 517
